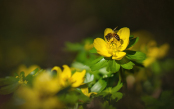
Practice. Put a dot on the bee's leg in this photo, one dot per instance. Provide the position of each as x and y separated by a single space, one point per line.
115 28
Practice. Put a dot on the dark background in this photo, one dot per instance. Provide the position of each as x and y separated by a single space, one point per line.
34 31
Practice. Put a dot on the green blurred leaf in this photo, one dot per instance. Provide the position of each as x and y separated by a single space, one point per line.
73 46
7 80
22 74
113 66
165 101
93 50
99 86
98 63
136 56
81 107
133 42
34 72
81 56
30 76
165 95
104 72
117 95
117 87
156 68
131 36
89 77
148 100
168 64
72 97
112 92
8 88
106 105
80 66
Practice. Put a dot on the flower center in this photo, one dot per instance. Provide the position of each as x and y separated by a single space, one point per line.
113 46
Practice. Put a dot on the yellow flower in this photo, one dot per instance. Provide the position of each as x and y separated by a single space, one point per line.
88 45
111 46
85 91
45 79
42 95
66 78
153 52
27 70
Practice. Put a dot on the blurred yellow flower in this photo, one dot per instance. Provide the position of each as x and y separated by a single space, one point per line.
88 45
66 78
85 91
41 94
153 52
112 46
46 83
27 70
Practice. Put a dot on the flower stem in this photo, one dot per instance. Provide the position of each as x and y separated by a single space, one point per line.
123 77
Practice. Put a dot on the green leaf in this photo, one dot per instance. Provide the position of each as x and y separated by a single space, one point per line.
131 36
156 68
89 78
30 76
106 105
93 50
98 63
104 72
167 64
80 65
133 42
165 95
73 46
96 60
112 92
136 56
80 107
117 87
7 80
72 97
22 74
148 100
8 85
113 66
9 88
99 86
125 63
81 56
117 95
128 65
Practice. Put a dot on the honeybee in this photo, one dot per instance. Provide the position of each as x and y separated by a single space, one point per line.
113 35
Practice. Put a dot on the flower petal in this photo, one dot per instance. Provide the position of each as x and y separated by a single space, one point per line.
124 34
66 72
78 78
85 91
58 69
163 49
100 46
119 55
148 61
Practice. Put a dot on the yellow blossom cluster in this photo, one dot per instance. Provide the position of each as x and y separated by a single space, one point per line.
42 93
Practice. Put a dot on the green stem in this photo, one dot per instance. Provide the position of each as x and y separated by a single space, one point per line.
123 77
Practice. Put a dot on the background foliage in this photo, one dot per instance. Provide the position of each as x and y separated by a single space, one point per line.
35 32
